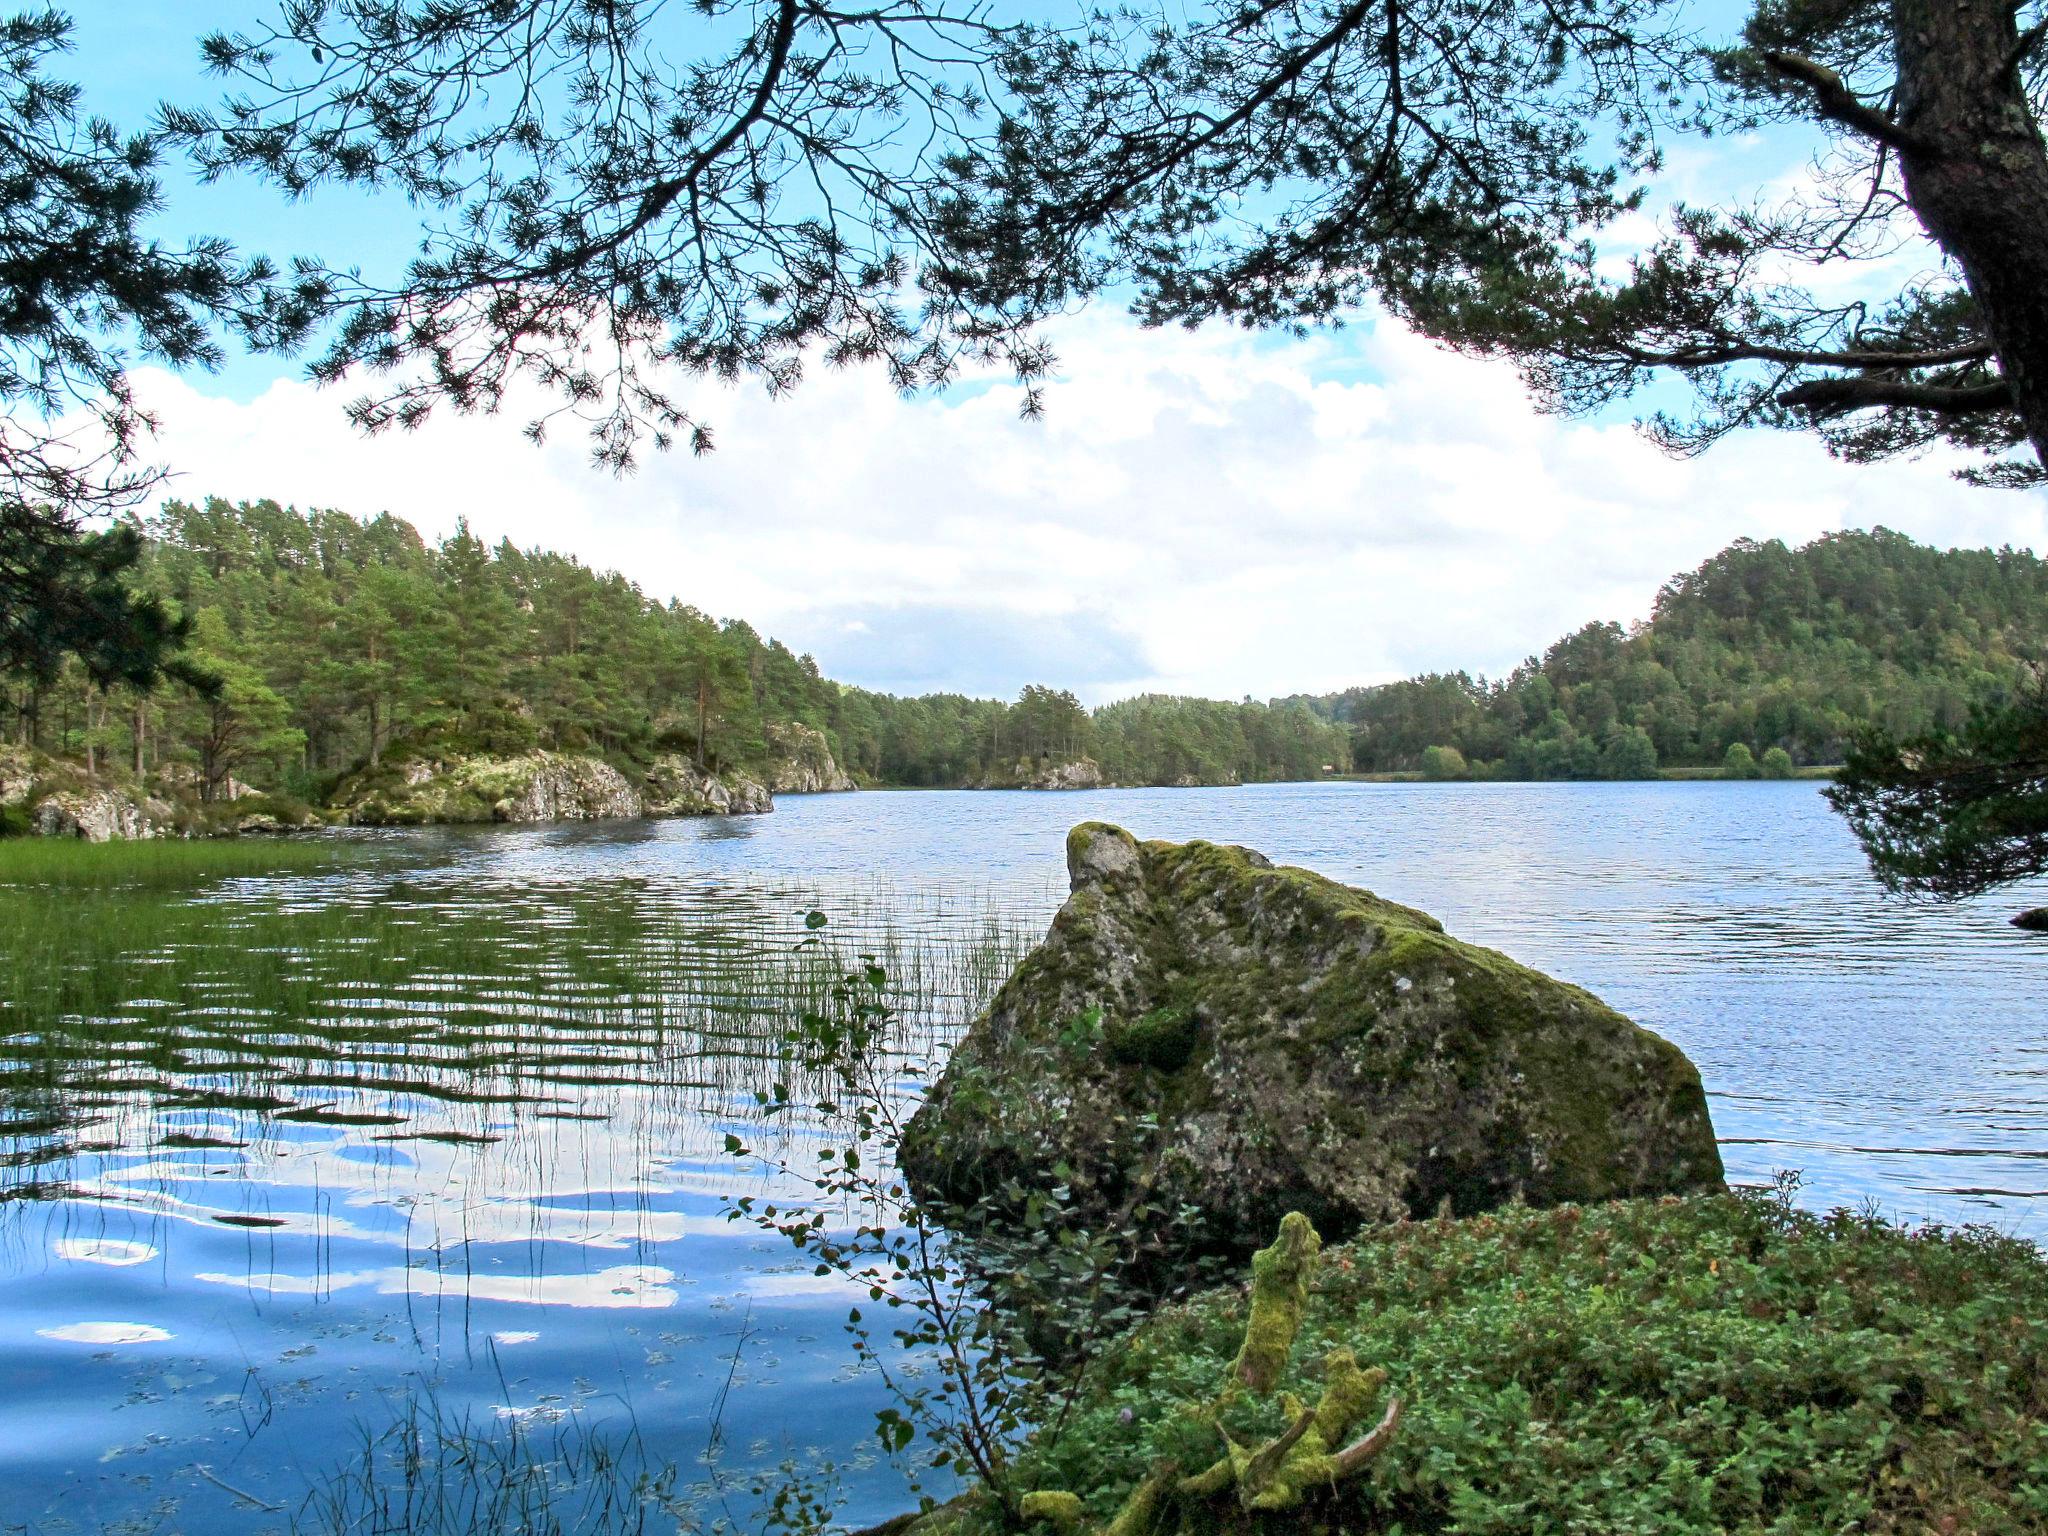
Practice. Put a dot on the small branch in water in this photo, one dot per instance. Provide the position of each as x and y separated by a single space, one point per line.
227 1487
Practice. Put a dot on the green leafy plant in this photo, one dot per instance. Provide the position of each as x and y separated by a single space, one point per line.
1313 1453
1683 1367
979 1345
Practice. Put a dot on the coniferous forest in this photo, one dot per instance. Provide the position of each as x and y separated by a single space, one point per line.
333 641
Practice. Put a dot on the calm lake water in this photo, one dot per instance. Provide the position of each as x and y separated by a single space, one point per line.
444 1127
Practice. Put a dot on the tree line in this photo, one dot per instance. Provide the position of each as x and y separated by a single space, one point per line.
316 643
1762 650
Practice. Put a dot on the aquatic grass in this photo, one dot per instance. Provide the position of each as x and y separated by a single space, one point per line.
431 997
169 863
434 1472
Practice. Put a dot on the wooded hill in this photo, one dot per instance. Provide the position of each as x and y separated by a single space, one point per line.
338 641
1763 649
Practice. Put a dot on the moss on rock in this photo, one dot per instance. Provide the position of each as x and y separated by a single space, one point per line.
531 787
1267 1039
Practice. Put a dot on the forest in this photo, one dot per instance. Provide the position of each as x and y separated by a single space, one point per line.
1765 656
326 642
320 643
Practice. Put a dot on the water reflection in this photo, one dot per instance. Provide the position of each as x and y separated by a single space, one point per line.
281 1154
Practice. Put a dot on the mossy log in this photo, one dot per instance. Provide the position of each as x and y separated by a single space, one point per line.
1313 1453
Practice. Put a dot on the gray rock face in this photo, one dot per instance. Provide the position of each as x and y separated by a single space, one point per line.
1081 773
675 786
100 816
1299 1045
556 788
17 775
532 787
801 762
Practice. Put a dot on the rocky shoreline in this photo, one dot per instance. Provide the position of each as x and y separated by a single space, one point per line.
47 796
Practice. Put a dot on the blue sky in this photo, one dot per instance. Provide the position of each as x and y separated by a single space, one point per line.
1209 513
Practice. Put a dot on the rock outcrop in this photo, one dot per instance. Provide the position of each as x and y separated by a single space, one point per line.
1245 1039
1081 773
2034 920
51 797
534 786
800 762
675 786
1030 773
100 815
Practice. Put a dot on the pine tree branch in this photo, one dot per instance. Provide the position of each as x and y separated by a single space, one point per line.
1829 397
1839 104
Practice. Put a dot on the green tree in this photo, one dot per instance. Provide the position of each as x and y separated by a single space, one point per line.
1443 763
1739 763
82 287
240 718
1777 764
725 190
1953 815
71 595
1628 753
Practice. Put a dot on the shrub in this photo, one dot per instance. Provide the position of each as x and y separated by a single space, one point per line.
1628 753
1443 763
1717 1364
1777 764
1739 763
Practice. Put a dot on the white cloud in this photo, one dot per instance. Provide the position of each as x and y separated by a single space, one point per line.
1200 512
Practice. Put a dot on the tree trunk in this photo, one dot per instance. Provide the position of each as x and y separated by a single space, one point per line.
703 714
140 728
1977 176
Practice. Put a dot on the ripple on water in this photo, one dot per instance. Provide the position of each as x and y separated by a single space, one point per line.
563 1024
106 1333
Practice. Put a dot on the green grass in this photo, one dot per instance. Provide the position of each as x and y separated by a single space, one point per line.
1723 1364
165 864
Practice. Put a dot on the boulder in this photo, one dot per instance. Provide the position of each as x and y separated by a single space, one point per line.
800 762
99 815
1081 773
17 775
1245 1039
675 786
532 787
2033 920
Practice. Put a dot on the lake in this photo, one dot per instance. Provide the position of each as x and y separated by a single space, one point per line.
292 1163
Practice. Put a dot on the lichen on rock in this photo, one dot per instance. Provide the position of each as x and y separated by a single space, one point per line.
1263 1039
530 787
675 786
800 762
100 815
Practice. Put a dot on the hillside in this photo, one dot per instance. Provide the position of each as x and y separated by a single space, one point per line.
1763 646
350 649
356 660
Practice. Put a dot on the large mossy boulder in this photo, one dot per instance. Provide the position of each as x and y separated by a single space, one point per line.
1207 1030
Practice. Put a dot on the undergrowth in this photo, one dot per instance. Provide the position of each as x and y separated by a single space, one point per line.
1706 1365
